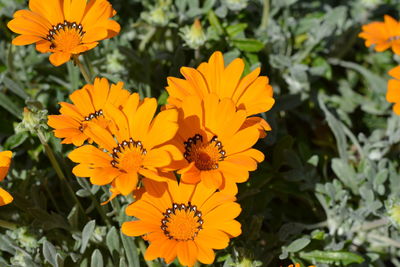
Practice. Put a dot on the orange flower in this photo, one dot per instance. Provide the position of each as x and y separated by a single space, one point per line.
382 35
251 93
185 221
88 105
64 27
5 160
134 145
215 148
393 89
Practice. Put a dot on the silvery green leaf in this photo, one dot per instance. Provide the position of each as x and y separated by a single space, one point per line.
86 234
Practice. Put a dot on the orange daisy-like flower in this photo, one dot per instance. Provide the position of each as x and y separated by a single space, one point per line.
382 35
64 27
215 148
185 221
393 89
134 145
5 160
88 105
251 93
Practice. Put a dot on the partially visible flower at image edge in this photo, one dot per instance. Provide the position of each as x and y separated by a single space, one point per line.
185 221
87 106
64 27
382 35
5 161
393 89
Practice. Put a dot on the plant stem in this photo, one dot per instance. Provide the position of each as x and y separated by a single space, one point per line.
371 225
265 16
97 204
57 168
142 247
386 240
85 74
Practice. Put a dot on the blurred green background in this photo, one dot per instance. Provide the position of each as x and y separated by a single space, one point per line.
328 192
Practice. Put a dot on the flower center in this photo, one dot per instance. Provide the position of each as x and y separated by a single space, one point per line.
394 38
90 117
182 222
205 154
128 156
65 36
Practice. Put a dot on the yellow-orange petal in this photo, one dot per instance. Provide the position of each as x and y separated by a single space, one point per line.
395 72
393 91
126 183
25 39
90 154
212 238
5 161
138 228
205 254
59 58
5 197
212 179
187 253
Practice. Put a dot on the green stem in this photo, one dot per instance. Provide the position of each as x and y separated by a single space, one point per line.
50 155
51 197
8 225
57 168
97 204
85 74
385 240
142 247
89 65
265 16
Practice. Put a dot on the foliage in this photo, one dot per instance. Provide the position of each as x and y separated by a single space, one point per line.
328 191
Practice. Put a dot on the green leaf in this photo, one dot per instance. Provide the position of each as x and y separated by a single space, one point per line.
9 105
131 250
236 29
49 252
14 87
97 259
332 257
112 240
86 234
248 45
16 140
214 21
298 244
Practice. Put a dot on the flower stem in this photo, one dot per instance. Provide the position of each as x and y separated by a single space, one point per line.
142 247
57 168
85 74
265 16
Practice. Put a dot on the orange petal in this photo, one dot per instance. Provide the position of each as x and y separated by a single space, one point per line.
126 183
212 238
187 252
90 154
59 58
5 197
138 228
25 39
211 179
230 210
393 91
5 161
